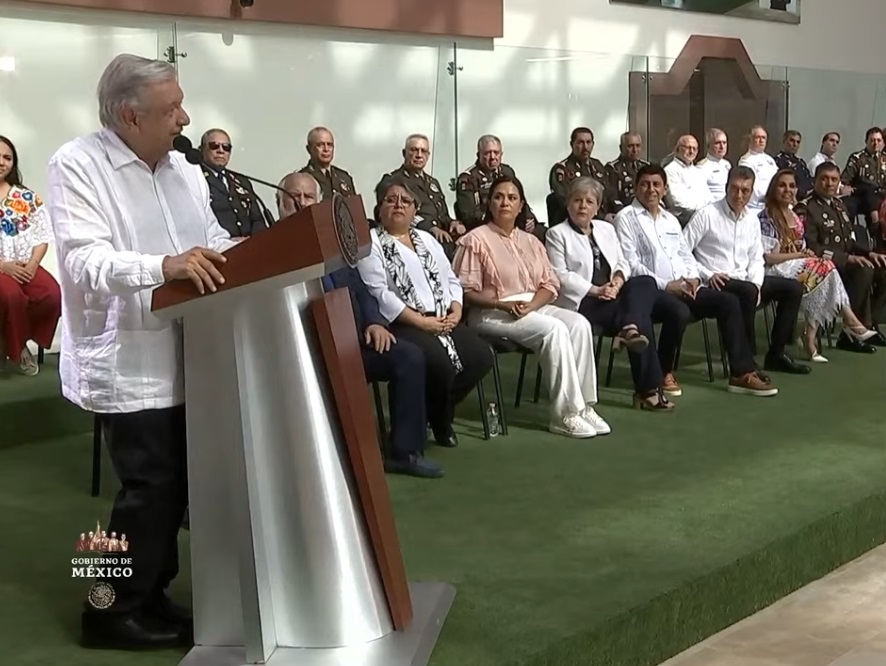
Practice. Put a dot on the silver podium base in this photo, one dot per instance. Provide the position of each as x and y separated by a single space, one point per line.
430 603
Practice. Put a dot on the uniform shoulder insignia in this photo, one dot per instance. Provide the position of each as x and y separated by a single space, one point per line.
857 153
613 164
643 162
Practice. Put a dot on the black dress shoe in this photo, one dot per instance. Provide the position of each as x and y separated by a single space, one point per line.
129 631
784 363
878 340
845 343
446 438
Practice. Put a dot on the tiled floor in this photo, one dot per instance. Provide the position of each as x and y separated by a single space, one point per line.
837 621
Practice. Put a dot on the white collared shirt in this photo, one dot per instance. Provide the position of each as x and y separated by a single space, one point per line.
379 283
688 185
724 242
819 158
764 168
654 246
115 221
716 171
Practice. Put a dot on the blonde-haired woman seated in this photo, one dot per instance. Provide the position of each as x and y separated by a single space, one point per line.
786 255
510 285
409 275
594 280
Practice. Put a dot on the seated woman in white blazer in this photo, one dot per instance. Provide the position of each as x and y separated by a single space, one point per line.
595 280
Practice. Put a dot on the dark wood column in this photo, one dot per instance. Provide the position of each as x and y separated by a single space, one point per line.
457 18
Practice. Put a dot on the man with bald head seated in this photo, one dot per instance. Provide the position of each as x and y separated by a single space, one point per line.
232 198
385 357
321 148
472 186
715 166
432 211
687 183
579 164
761 163
302 190
621 173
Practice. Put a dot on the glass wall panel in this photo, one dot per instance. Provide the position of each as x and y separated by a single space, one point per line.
532 99
825 101
269 85
50 63
718 93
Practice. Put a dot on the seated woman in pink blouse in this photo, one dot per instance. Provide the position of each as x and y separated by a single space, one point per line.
510 284
30 299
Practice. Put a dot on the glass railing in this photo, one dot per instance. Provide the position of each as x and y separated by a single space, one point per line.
532 99
821 101
267 86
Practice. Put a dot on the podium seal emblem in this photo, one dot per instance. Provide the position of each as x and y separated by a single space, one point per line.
345 229
101 595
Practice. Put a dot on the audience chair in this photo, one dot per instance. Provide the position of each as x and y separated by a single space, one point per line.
707 350
505 346
556 211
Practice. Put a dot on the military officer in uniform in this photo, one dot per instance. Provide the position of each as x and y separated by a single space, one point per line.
321 148
829 233
622 172
865 173
787 158
431 210
579 164
233 199
472 186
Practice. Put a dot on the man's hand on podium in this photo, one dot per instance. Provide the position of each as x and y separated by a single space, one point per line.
196 265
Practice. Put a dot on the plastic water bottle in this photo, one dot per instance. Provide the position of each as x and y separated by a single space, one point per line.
493 420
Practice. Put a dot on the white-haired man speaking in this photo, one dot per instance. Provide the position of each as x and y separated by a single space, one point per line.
128 216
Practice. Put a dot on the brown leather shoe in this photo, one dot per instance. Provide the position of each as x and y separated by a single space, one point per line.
670 386
752 384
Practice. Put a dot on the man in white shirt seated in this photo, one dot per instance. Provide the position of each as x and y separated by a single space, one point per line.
762 164
653 244
128 216
830 142
687 183
725 239
715 165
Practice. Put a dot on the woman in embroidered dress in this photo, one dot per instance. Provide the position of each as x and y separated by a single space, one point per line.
510 283
30 299
409 275
825 298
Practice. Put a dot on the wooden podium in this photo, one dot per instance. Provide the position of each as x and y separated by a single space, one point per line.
295 557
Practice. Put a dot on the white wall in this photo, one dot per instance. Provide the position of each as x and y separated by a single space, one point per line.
595 25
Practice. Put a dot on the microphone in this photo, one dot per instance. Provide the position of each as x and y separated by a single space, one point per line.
182 144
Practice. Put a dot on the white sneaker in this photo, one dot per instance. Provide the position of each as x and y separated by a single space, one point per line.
573 426
596 421
28 364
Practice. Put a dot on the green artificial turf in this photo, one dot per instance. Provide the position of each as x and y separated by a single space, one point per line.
616 551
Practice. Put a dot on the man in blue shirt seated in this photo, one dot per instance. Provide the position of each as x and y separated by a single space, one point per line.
385 358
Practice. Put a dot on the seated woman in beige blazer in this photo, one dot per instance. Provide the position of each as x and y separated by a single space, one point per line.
595 280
